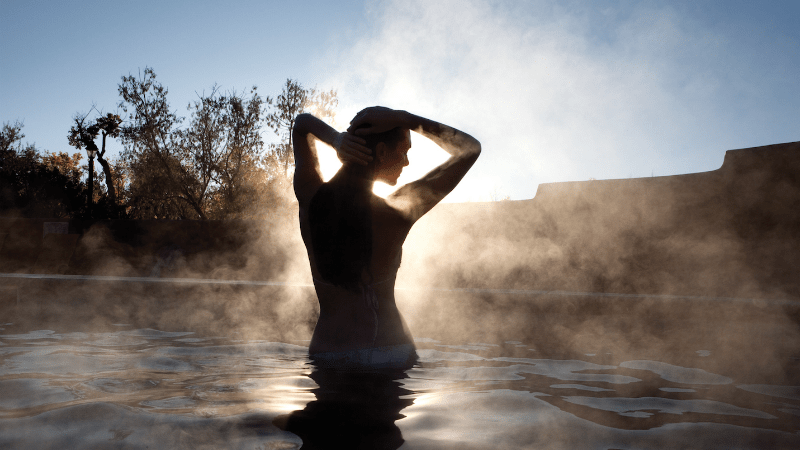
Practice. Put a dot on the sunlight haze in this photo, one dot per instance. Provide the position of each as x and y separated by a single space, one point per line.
555 91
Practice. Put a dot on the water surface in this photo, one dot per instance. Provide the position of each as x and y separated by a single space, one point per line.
145 388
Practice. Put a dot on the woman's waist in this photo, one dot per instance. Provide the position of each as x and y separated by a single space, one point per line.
357 313
344 330
378 283
335 339
377 295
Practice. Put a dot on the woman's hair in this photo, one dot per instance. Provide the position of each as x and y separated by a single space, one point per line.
341 221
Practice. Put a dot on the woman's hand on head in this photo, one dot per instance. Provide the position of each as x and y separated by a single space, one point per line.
351 148
377 120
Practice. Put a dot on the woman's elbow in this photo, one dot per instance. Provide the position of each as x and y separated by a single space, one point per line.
471 152
476 148
302 124
302 120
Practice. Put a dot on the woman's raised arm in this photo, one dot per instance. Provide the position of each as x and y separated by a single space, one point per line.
307 175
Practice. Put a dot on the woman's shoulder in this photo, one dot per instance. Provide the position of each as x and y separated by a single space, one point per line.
389 208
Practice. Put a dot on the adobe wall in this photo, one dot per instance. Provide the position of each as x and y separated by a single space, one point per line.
734 232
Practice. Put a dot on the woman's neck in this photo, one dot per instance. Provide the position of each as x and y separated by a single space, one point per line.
362 176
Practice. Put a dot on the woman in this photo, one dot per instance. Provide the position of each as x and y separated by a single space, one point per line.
354 238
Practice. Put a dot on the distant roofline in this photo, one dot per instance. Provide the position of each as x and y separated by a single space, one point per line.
731 159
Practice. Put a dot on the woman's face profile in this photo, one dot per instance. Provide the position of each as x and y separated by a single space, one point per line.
392 161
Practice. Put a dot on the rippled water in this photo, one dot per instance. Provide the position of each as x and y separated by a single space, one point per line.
154 389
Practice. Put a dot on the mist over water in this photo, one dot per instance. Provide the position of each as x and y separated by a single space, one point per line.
651 274
144 388
730 233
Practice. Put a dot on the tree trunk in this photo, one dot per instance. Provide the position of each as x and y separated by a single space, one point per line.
112 193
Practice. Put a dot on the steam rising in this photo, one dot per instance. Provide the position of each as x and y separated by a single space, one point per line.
560 92
618 267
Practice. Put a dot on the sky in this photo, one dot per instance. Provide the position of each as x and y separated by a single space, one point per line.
554 90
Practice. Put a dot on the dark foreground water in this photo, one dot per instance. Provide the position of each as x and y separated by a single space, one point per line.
153 389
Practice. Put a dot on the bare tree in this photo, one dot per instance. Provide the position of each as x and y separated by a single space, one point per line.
11 136
204 170
82 135
150 149
224 145
293 101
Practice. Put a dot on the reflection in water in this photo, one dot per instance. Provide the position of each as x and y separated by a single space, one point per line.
352 410
155 389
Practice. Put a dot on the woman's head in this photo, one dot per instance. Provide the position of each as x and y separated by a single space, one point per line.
390 153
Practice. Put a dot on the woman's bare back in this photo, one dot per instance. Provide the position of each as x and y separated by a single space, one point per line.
370 318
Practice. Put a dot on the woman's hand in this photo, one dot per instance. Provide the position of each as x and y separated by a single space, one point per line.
378 119
350 148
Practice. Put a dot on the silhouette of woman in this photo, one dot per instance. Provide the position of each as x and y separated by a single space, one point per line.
354 238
